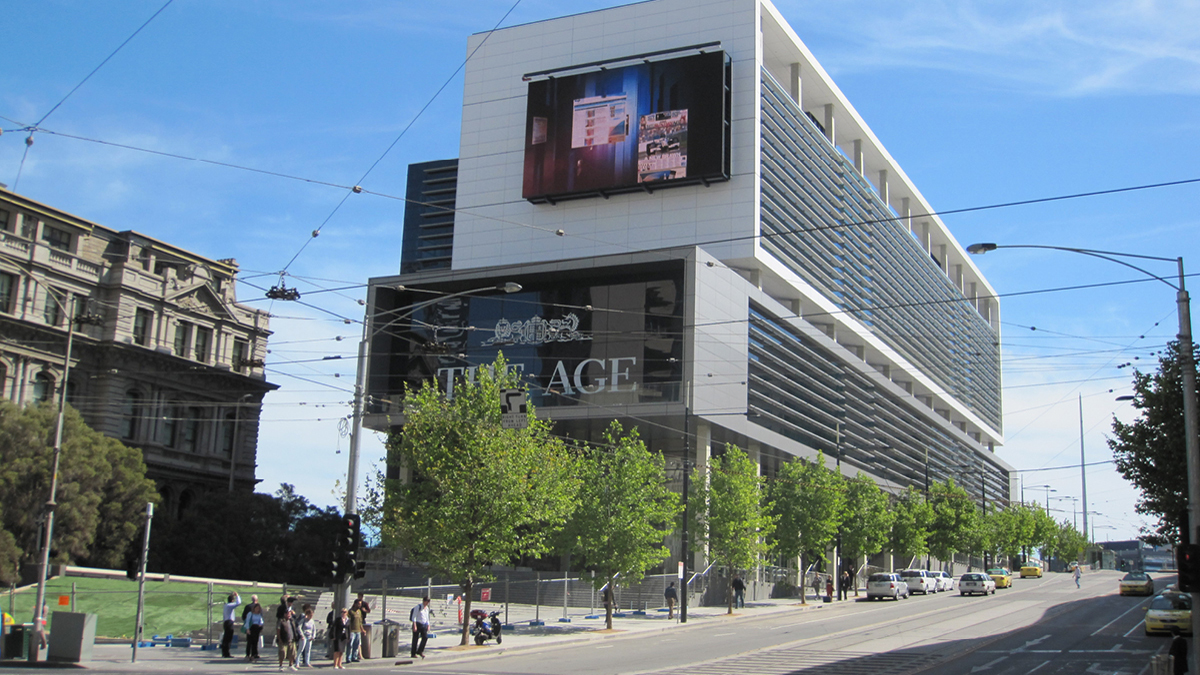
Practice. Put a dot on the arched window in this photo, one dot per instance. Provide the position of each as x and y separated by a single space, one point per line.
43 387
131 413
185 502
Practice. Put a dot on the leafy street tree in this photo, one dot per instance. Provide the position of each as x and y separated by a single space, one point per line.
1009 530
624 511
955 523
866 520
911 516
102 490
729 513
1044 532
480 494
1150 452
806 504
280 538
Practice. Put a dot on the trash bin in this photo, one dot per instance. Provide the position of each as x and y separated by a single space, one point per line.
372 641
16 643
390 631
73 637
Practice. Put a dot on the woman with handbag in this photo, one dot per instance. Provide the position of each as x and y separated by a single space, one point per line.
254 628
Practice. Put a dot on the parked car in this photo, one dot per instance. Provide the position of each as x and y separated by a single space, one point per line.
1167 611
1136 583
945 582
919 581
1001 576
976 583
1031 571
886 585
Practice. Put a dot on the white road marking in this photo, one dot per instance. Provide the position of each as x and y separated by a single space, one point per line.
1118 618
1135 627
1035 668
988 665
724 634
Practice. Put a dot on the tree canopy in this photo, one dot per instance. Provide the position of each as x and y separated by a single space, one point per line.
866 520
624 511
955 524
806 503
911 517
1151 452
102 489
479 494
729 513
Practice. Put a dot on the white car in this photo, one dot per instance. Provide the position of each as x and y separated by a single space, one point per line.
945 582
973 583
919 581
886 585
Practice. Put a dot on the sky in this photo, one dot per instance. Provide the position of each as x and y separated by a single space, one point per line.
981 103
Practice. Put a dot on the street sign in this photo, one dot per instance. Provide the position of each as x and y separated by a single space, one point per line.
485 595
513 409
681 569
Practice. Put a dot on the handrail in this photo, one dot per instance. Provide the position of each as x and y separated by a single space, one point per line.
700 574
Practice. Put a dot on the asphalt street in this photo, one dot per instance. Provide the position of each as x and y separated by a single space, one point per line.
1044 626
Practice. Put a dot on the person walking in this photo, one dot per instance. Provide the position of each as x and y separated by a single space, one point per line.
307 633
419 617
285 640
254 628
340 629
739 592
357 621
844 588
1078 574
670 595
231 603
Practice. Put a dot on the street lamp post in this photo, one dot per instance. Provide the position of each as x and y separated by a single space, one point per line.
1047 489
1186 365
342 597
39 614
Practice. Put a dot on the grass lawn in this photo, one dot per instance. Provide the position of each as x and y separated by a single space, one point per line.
171 608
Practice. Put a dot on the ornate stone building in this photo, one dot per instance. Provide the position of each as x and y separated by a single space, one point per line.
162 355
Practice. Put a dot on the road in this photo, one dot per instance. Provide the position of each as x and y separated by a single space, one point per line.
1044 626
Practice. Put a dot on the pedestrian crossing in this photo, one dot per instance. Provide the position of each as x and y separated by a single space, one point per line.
812 662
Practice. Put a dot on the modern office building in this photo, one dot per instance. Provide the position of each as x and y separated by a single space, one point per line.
713 246
163 357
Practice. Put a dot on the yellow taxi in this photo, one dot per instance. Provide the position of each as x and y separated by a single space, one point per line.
1136 583
1167 611
1001 576
1031 571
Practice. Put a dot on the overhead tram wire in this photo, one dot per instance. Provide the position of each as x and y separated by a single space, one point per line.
36 125
357 185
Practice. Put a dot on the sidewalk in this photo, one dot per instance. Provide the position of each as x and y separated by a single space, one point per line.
443 646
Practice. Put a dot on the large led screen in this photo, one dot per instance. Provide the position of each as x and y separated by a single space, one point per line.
637 127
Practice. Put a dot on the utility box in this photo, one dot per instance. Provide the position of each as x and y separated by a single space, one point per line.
73 637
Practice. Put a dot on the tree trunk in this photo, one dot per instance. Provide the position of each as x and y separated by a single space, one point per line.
610 597
729 594
466 625
801 584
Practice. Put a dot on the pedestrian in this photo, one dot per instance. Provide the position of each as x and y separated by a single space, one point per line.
419 616
285 640
829 588
254 628
231 603
356 616
249 608
365 642
1178 652
671 596
338 634
285 604
739 592
843 590
816 586
307 633
1078 574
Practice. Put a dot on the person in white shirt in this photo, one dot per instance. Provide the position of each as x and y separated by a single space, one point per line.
227 614
419 616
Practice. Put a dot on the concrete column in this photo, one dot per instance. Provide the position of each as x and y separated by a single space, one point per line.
794 305
941 255
830 132
794 85
703 451
906 211
925 235
858 157
883 186
754 452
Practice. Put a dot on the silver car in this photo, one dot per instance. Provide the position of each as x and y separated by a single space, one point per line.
919 581
944 581
973 583
886 585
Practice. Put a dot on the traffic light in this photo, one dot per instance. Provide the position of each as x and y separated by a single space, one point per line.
1187 559
345 551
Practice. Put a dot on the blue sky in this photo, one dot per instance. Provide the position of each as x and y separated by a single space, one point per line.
980 103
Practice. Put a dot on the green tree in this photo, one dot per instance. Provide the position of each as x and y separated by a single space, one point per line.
866 520
1150 452
102 488
480 494
806 505
624 511
1045 530
730 515
955 524
911 516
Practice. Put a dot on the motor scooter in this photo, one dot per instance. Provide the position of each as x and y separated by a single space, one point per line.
486 626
